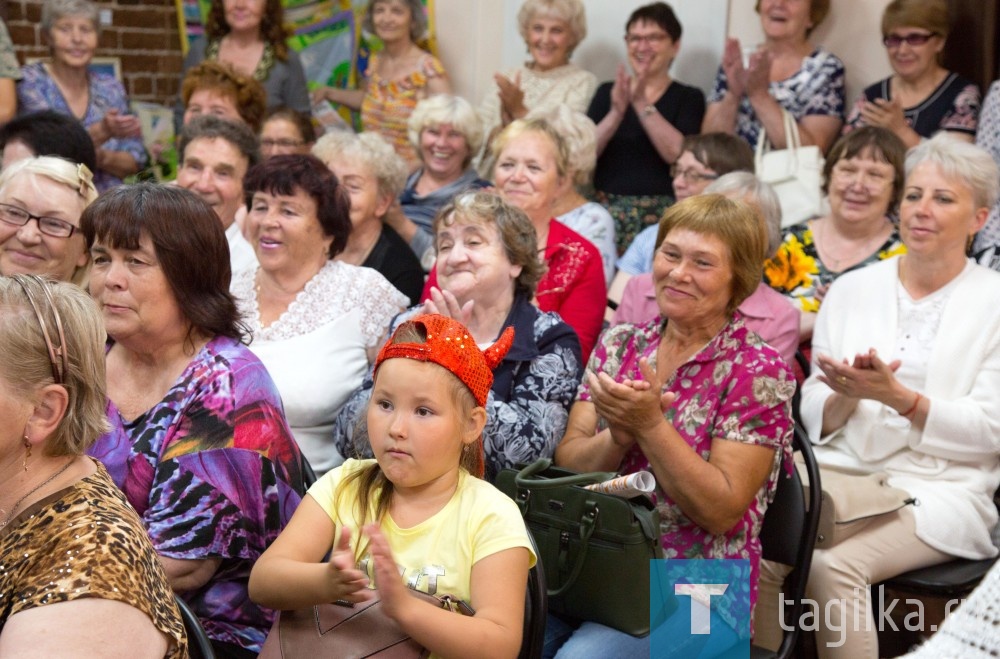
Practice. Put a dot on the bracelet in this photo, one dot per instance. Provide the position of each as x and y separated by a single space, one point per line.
913 408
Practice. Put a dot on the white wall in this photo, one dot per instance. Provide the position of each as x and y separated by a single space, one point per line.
476 38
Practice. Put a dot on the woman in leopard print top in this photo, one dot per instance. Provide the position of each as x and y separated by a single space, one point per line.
78 574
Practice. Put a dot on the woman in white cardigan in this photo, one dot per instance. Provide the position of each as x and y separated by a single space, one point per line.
906 381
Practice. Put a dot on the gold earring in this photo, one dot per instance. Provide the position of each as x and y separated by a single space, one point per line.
27 452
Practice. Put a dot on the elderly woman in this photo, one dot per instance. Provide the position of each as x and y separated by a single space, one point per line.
551 29
41 200
532 164
198 441
286 131
787 73
694 397
921 97
765 311
216 88
863 181
488 269
317 322
704 158
373 175
641 123
397 77
587 218
66 84
906 357
46 133
250 36
73 554
446 133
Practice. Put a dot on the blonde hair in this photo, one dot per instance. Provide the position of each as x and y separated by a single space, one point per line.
572 12
447 109
580 135
372 151
25 365
533 125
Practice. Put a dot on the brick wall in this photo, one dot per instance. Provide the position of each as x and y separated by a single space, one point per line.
142 33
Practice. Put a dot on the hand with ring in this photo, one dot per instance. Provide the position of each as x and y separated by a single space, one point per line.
866 376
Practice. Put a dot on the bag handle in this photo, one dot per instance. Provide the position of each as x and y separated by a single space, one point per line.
588 520
793 141
525 478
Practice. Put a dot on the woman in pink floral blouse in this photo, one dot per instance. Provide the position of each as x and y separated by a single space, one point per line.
697 399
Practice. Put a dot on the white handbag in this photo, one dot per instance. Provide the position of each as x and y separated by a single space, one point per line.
795 173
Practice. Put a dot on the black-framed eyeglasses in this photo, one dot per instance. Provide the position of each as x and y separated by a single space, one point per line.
690 175
654 39
50 226
283 143
914 39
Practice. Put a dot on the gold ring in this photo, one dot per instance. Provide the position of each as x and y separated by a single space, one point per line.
842 379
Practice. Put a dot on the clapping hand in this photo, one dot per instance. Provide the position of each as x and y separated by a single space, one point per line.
630 407
445 303
732 66
884 113
621 91
758 72
511 97
867 376
391 590
121 125
346 582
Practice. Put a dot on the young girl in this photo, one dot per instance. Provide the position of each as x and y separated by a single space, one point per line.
417 516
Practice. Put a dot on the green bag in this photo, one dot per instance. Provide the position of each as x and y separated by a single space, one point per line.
594 547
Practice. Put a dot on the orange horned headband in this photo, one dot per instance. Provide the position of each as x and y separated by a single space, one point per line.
450 345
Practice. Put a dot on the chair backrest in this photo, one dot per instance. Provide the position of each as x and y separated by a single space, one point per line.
199 644
788 534
308 474
535 610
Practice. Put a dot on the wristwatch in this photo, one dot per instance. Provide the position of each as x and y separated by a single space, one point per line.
648 110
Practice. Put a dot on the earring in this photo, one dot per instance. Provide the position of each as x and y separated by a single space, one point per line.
27 451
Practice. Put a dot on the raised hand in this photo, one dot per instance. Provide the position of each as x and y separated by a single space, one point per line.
511 96
758 73
393 593
865 377
346 582
621 91
884 113
732 66
445 303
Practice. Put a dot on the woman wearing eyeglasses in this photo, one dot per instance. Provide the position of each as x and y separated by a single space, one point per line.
863 181
921 97
641 122
286 131
41 200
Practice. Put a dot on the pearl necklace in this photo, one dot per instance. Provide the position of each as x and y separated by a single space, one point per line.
48 480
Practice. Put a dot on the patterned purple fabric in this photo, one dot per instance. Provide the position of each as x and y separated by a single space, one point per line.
736 388
38 91
213 471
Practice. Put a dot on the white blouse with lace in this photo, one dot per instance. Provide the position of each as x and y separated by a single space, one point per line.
316 351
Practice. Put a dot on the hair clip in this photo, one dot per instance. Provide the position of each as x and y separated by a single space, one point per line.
86 178
57 356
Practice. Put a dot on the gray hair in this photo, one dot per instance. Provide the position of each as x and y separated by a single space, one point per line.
418 19
370 149
446 109
570 11
747 187
210 127
53 10
580 135
961 160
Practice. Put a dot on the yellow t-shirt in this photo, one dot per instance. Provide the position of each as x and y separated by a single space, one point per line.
437 555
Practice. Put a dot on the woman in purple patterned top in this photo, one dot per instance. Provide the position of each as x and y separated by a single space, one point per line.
198 440
697 399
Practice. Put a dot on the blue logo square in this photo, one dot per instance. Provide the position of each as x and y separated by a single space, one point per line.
699 608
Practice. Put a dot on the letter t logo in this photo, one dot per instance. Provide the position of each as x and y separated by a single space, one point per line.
700 593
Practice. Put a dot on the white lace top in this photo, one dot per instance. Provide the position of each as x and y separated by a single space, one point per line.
316 350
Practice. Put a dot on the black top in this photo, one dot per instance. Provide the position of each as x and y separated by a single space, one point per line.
392 257
630 164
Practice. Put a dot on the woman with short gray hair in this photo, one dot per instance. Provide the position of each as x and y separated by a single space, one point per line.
66 84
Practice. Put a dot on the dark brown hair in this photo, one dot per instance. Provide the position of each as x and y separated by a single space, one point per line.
720 152
285 174
658 13
272 25
302 122
189 242
872 142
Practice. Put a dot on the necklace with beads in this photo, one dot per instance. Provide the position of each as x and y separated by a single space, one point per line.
17 503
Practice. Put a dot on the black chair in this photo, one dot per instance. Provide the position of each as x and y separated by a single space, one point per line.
788 536
536 610
199 645
308 475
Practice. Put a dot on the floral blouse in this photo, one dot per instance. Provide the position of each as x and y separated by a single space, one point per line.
953 105
737 388
818 88
213 471
796 270
387 104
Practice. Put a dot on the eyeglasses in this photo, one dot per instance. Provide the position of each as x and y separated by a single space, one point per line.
57 356
654 39
691 176
284 143
914 39
50 226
